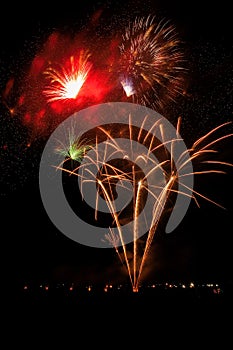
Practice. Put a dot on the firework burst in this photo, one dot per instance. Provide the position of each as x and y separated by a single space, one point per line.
75 150
151 62
149 174
66 82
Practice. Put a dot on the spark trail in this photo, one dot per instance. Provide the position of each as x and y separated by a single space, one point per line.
128 169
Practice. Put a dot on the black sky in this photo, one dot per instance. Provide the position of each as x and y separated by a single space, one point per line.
200 248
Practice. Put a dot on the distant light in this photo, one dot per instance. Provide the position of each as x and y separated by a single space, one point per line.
25 287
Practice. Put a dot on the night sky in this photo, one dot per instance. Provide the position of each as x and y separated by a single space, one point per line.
200 247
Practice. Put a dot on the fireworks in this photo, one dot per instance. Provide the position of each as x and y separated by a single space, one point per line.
138 174
65 83
75 149
144 65
151 62
128 87
149 174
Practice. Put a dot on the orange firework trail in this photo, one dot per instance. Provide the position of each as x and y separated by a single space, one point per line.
104 174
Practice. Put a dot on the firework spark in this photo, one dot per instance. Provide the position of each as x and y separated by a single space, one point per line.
151 62
128 87
65 83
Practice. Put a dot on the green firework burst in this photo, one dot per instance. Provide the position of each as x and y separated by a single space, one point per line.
75 149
